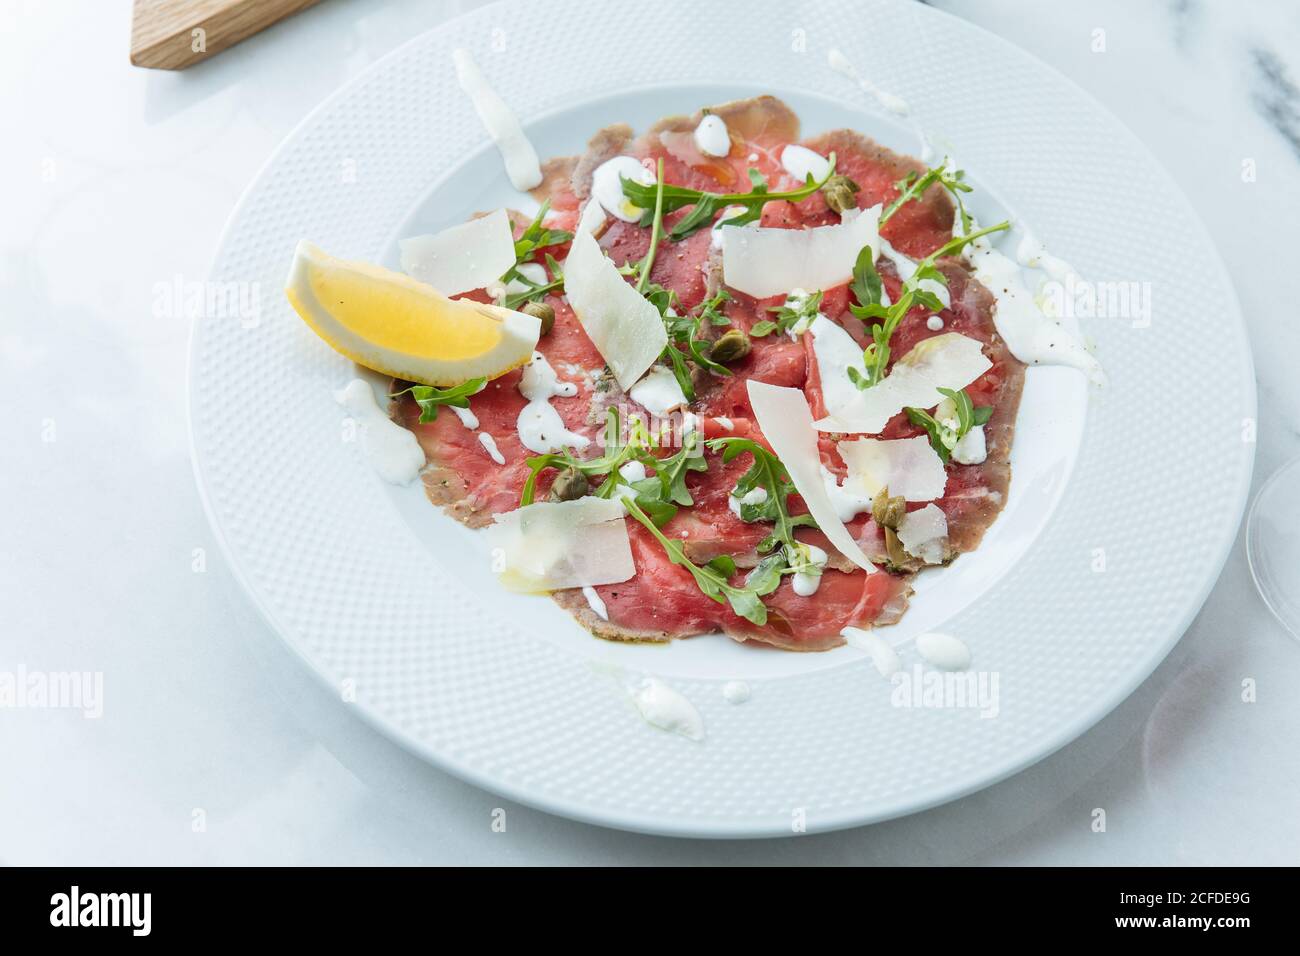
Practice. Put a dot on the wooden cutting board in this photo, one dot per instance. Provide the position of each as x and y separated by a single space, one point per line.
174 34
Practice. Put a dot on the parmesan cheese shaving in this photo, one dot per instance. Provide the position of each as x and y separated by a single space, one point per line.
950 360
763 262
593 218
472 255
659 393
909 467
924 533
561 544
786 422
625 328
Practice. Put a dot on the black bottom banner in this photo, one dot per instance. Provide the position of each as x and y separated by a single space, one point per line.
336 906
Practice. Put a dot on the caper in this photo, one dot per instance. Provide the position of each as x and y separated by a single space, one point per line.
898 555
888 511
839 179
731 347
569 485
543 312
840 193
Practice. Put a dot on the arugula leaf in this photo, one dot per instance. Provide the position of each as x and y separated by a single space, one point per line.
913 186
681 370
535 292
683 330
533 239
708 311
668 198
656 227
866 285
713 579
536 236
943 437
766 575
671 472
616 455
430 398
768 473
656 498
660 494
788 316
685 341
887 318
938 434
665 302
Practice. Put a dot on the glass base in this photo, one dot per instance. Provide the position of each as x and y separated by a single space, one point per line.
1273 545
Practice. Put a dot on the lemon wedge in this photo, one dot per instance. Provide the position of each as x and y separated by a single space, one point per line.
396 325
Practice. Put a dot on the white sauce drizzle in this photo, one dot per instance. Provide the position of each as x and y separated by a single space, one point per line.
735 692
490 445
711 136
522 165
1030 334
847 504
801 162
595 603
467 417
725 422
393 451
972 448
883 655
840 64
665 708
943 651
470 421
658 392
540 427
1033 255
607 186
805 585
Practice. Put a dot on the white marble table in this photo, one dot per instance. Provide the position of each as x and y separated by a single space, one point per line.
116 179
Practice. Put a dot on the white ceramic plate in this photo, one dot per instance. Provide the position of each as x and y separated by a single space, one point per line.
1123 504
